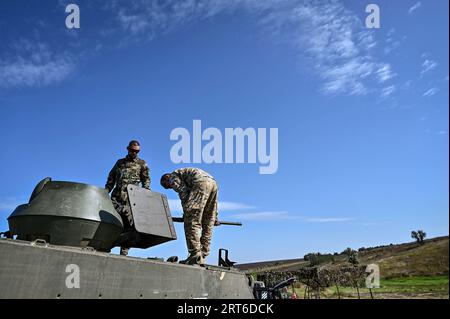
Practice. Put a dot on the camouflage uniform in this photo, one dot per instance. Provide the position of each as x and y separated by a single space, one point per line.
126 171
198 193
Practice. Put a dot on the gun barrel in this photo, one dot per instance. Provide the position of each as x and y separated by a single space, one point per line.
181 220
178 219
223 222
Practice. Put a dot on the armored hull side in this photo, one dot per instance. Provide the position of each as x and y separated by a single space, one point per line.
42 271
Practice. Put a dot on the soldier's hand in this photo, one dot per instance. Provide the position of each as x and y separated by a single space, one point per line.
217 223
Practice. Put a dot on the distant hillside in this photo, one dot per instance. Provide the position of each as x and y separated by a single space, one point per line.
409 259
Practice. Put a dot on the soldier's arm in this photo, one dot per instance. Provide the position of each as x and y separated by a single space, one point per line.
111 181
145 176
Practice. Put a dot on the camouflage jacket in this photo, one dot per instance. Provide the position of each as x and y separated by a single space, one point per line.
127 171
185 179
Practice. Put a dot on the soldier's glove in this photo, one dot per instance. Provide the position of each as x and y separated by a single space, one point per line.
217 223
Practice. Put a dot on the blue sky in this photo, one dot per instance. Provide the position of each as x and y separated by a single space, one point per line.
362 114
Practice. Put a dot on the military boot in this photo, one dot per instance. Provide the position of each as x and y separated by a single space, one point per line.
124 251
201 261
193 259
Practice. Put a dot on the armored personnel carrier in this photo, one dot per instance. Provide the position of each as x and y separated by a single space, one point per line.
58 246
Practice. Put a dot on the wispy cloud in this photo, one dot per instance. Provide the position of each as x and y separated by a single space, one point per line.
261 216
283 215
430 92
387 91
34 64
342 59
329 220
385 73
175 206
428 65
391 43
415 7
235 209
332 38
323 31
133 23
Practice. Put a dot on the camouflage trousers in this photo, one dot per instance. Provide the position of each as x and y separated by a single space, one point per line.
200 213
123 208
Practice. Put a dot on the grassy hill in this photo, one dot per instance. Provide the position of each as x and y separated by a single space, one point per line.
408 270
408 259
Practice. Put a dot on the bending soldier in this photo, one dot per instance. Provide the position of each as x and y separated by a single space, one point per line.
126 171
198 194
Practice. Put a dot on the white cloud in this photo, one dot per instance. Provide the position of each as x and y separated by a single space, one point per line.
387 91
225 207
329 220
385 73
323 31
269 215
175 206
236 208
232 206
133 23
391 43
283 215
34 64
229 207
428 65
430 92
414 7
339 47
389 48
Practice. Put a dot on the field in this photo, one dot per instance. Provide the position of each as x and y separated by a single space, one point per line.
435 287
408 270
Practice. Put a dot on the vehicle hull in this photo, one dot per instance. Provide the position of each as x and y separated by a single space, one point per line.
38 270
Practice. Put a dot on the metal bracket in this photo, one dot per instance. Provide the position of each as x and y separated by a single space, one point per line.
88 248
224 261
39 242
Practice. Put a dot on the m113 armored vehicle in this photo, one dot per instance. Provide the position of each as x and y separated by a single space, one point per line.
58 245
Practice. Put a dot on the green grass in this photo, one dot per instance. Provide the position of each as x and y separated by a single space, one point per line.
417 281
415 284
406 287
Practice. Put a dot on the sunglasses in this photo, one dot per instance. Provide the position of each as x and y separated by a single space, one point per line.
133 151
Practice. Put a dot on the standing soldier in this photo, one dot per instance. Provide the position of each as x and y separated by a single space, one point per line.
128 170
198 193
